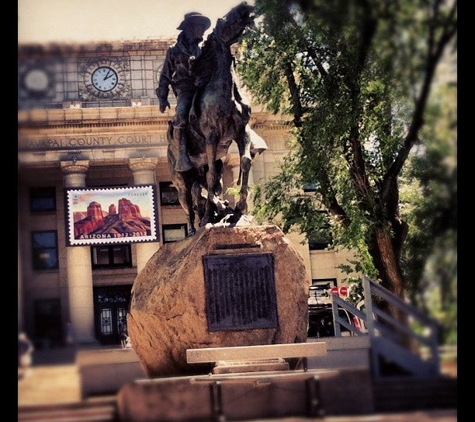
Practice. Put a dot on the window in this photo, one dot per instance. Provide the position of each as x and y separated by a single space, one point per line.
168 194
310 187
111 256
42 199
174 232
319 292
323 283
45 250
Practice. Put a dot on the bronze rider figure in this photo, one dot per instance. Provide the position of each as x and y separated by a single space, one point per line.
176 72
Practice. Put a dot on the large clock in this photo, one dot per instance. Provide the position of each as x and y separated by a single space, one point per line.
35 82
104 78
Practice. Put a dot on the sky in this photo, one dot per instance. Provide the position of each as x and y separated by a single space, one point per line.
70 21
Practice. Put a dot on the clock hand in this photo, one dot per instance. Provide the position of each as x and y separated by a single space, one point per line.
109 74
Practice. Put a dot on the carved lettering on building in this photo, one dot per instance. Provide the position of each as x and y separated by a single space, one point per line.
93 141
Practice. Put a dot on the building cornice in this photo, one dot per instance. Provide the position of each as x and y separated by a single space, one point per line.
62 49
82 118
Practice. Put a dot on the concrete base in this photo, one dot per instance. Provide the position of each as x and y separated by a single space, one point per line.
342 352
105 371
247 396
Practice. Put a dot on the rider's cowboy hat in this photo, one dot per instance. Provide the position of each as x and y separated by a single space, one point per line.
195 17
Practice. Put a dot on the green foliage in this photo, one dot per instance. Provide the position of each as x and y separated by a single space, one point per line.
429 202
356 78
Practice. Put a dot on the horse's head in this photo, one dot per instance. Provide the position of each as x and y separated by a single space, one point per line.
230 28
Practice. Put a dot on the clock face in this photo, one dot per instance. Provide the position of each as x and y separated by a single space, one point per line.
104 78
36 80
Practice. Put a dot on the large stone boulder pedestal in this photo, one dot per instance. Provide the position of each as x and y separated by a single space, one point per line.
222 287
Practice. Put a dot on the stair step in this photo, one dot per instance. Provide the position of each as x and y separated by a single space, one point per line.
94 410
390 394
415 394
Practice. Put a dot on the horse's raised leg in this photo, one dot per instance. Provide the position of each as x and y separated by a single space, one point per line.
199 200
186 200
214 204
241 205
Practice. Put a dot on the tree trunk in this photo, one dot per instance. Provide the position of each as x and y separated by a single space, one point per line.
385 260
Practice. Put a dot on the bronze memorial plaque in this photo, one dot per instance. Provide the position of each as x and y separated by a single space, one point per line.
240 291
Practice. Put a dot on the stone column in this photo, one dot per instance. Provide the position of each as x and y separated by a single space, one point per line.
144 174
79 266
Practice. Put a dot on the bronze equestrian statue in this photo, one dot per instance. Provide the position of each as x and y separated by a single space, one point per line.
217 117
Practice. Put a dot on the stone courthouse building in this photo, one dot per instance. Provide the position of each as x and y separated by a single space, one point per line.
89 127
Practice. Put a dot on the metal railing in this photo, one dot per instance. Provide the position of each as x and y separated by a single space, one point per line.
417 356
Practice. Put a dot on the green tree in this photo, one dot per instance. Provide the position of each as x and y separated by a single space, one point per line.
429 196
356 77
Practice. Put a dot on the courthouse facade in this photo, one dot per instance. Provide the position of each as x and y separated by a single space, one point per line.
78 139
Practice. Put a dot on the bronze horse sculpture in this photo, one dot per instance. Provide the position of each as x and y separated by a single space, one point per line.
217 118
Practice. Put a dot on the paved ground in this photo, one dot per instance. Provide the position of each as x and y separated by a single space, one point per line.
54 378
